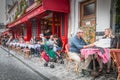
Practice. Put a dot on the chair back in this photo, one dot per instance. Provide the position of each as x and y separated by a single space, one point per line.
67 47
118 42
63 46
115 54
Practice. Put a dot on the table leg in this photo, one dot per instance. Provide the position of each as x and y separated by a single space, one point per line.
94 73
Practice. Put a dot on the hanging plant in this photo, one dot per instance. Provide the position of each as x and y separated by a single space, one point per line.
23 7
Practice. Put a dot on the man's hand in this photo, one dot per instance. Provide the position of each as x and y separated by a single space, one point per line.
85 46
88 46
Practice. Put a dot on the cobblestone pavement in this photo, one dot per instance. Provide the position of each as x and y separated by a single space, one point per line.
61 70
12 69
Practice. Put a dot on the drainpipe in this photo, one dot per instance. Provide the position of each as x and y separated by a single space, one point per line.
74 17
112 15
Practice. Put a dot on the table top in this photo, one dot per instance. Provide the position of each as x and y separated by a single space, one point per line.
115 50
90 51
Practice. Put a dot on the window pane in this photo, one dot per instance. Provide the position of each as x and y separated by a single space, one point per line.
89 9
24 31
34 27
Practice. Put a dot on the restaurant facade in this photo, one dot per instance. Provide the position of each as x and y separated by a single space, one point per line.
65 17
41 16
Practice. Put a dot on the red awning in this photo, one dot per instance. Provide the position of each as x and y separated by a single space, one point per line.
52 5
35 12
5 32
27 16
21 20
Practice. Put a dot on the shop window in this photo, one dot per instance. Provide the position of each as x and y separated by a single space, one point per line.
44 26
117 17
89 9
24 31
63 25
34 27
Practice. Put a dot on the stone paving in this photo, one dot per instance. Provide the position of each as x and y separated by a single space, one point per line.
13 69
60 71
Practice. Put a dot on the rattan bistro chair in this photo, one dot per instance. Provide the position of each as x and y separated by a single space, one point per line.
115 54
27 53
69 60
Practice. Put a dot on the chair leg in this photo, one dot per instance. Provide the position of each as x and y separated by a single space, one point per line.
118 78
24 55
40 57
76 68
68 64
113 66
28 54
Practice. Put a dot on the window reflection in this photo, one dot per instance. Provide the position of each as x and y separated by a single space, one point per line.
89 9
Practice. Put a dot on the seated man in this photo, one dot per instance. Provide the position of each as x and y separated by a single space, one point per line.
57 44
43 39
76 44
15 40
47 34
33 40
51 40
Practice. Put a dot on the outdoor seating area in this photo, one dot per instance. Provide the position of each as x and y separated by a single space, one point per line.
49 55
49 51
69 39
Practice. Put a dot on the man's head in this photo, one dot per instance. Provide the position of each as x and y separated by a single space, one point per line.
55 37
41 35
48 30
80 33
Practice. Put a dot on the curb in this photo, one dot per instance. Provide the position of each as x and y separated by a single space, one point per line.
45 75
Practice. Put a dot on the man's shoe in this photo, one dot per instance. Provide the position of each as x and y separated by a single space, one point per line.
52 66
81 74
45 64
86 72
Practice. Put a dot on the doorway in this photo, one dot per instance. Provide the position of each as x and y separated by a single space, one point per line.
51 22
88 19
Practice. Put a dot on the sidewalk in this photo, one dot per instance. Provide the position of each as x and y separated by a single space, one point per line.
60 72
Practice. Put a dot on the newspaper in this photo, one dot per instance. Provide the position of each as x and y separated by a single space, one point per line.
104 43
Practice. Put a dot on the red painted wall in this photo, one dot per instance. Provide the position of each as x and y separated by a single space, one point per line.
65 37
29 30
38 27
60 6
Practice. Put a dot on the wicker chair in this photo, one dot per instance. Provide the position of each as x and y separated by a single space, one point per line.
69 60
115 54
27 53
67 46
